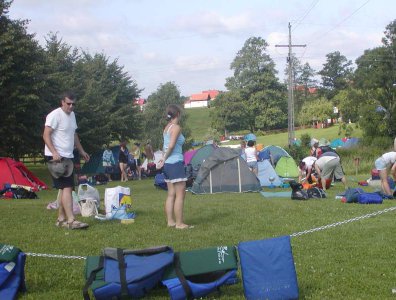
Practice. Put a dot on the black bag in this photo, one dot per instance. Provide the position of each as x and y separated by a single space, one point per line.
21 193
298 193
316 192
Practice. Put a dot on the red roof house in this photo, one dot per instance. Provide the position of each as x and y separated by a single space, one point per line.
202 99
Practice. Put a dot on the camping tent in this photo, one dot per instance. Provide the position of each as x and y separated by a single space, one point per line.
15 173
267 172
272 152
250 137
225 171
188 155
352 142
286 167
336 143
201 155
95 165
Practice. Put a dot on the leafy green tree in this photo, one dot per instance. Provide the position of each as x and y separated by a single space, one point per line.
105 95
303 80
259 89
336 74
229 112
315 111
376 75
21 86
154 114
348 102
60 61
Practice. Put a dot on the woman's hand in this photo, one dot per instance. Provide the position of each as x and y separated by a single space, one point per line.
160 163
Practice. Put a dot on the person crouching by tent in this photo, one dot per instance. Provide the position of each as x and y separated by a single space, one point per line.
382 164
306 169
328 167
251 156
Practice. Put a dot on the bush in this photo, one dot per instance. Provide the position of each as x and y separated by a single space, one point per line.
297 152
306 140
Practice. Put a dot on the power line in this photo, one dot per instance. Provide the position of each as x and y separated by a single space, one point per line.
338 24
313 4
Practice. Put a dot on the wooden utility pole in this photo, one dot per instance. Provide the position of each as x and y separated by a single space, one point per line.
290 103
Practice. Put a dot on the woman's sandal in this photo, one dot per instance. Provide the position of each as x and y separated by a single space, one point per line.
185 227
75 225
60 223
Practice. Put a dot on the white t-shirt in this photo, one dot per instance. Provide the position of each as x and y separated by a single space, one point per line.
250 154
64 126
389 158
309 160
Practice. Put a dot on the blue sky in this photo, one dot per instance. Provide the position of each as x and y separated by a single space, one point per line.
193 43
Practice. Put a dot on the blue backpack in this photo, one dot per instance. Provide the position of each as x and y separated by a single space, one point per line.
120 273
159 181
12 271
370 198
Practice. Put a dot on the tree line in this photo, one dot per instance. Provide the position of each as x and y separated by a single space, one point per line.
256 100
33 76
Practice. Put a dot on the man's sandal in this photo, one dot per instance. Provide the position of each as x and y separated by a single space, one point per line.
75 225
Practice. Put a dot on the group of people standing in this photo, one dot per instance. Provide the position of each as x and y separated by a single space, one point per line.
61 139
129 162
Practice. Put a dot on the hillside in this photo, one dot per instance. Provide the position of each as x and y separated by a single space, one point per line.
200 123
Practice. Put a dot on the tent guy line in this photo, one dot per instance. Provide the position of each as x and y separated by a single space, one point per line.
296 234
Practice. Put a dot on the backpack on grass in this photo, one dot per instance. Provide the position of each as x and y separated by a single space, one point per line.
12 271
197 273
369 198
119 273
316 192
159 181
351 194
298 192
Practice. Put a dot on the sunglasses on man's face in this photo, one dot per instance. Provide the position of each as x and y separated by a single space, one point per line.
70 103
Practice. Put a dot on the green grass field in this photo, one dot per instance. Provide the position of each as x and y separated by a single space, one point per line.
352 261
355 260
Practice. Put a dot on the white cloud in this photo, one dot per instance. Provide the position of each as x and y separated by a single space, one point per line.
213 23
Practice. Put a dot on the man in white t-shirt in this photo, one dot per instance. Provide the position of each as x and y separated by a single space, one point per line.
60 138
305 167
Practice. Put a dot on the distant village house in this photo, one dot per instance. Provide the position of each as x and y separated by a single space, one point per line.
202 99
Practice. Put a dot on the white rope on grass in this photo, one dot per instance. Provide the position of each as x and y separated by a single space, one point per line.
55 256
344 222
292 235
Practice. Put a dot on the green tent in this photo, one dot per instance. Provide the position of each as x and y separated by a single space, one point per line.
286 167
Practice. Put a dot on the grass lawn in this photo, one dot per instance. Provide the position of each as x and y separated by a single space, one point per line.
199 122
356 260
